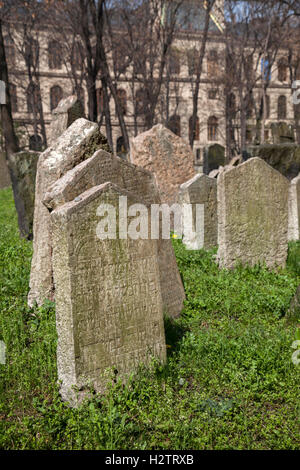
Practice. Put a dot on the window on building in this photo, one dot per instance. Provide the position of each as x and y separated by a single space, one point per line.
100 103
13 97
174 62
32 51
248 135
140 104
122 97
174 124
56 95
212 128
231 104
266 70
197 129
281 107
212 64
192 61
9 50
35 143
33 98
282 70
54 55
121 150
77 56
212 94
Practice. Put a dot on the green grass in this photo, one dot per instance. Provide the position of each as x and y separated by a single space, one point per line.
229 382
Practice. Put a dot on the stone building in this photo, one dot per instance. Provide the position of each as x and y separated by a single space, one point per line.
56 82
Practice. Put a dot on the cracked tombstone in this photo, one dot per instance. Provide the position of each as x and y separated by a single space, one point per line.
252 215
108 299
76 144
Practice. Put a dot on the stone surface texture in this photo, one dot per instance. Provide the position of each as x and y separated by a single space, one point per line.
108 300
167 156
252 215
101 168
202 189
4 173
68 110
23 167
77 143
285 158
294 209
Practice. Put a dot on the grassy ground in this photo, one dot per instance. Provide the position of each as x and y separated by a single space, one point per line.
229 382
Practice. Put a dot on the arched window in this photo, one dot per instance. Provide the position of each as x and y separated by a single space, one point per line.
196 132
281 109
9 50
122 97
174 62
56 94
33 98
231 104
192 58
76 56
282 70
32 51
13 97
100 104
121 150
35 143
140 105
174 124
212 128
54 55
212 63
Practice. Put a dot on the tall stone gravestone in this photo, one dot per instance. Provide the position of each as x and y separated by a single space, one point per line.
22 166
252 215
77 143
167 156
103 167
282 133
108 299
294 209
202 190
214 156
4 174
68 110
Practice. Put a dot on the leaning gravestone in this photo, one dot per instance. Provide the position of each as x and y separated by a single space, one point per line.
294 209
202 189
167 156
77 143
22 167
68 110
213 158
252 215
282 133
4 173
108 300
103 167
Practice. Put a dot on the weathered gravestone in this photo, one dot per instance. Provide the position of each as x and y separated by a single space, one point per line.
285 158
68 110
108 300
167 156
214 156
101 168
282 133
202 189
294 209
252 215
4 173
77 143
23 167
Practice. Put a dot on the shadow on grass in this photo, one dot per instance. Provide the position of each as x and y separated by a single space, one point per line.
174 334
